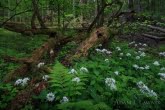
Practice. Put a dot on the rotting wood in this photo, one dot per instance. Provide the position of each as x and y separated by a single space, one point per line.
98 36
36 57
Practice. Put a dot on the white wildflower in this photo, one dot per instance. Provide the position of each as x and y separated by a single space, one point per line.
136 45
41 64
111 83
128 54
141 68
116 73
162 69
162 54
144 89
118 48
142 54
121 54
147 67
24 81
98 50
106 60
76 79
51 52
73 71
145 45
64 100
84 70
131 43
18 82
108 52
137 57
136 66
139 52
100 45
156 63
45 77
141 49
162 75
50 97
140 43
104 50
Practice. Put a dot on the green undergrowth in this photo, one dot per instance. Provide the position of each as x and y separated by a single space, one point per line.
101 81
88 90
16 45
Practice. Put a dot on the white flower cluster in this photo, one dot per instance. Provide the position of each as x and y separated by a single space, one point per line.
137 57
121 54
41 64
73 71
162 69
50 97
144 89
141 54
51 52
110 82
45 77
147 67
156 63
21 82
64 100
118 48
84 70
116 73
141 49
104 51
128 54
162 75
139 44
107 60
76 79
162 54
133 42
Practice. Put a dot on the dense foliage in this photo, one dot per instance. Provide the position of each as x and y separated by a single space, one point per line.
125 72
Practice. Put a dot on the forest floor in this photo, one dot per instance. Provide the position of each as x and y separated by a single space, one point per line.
134 61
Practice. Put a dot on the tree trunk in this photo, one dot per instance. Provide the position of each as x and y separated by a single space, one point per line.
36 11
130 5
30 64
98 36
33 25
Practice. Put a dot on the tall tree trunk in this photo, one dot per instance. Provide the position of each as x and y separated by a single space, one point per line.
130 5
101 18
33 26
59 15
36 11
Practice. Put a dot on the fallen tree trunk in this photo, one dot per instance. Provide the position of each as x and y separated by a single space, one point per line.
156 28
21 28
156 34
25 95
37 55
98 36
154 37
